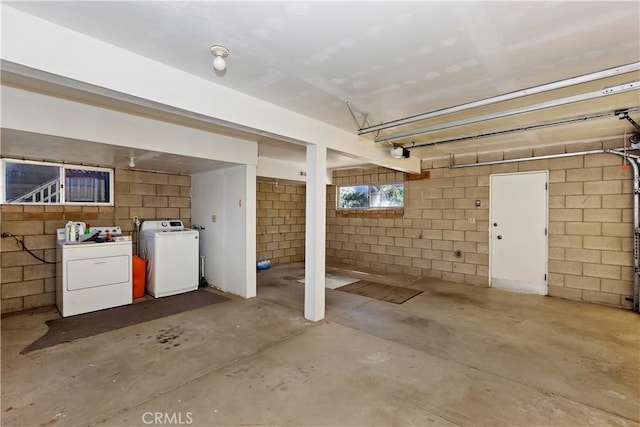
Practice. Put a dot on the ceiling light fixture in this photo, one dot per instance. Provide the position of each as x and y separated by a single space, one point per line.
219 53
132 162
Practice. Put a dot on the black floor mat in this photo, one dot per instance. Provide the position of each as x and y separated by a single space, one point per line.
85 325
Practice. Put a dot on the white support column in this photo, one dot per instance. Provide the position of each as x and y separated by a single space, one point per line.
316 204
250 214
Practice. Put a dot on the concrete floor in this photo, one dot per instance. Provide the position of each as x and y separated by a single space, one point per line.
453 355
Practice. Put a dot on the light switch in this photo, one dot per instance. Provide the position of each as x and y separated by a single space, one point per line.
213 218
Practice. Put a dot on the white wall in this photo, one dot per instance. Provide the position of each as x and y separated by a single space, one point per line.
228 243
282 169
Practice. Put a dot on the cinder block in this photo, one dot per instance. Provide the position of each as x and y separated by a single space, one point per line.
603 187
179 202
11 274
617 201
584 228
476 236
23 228
442 224
565 214
15 259
445 266
601 298
11 305
556 279
142 189
476 193
459 267
128 200
581 202
444 245
602 271
504 168
491 156
167 213
603 215
478 258
155 178
457 235
40 300
558 176
518 153
616 172
581 282
476 280
556 253
40 271
613 229
450 173
465 181
565 241
617 258
452 277
453 214
533 165
431 254
566 293
595 160
575 162
565 188
557 227
565 267
442 162
547 150
602 242
557 202
584 174
620 287
19 289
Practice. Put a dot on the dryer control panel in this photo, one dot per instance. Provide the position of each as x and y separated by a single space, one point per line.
162 224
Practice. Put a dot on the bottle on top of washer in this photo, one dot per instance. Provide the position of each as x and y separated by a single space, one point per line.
70 232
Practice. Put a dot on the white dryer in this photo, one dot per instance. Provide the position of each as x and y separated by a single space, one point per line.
171 251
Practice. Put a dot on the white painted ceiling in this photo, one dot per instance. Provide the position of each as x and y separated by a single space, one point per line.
389 59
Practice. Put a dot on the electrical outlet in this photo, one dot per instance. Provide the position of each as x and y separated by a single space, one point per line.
472 220
213 218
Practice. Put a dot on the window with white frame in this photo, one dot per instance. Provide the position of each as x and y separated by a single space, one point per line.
28 182
371 196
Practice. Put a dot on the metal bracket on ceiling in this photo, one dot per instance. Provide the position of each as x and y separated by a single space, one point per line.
365 119
624 114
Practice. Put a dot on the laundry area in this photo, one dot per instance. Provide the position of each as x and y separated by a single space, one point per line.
223 214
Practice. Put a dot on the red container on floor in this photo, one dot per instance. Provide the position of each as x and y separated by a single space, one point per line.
139 276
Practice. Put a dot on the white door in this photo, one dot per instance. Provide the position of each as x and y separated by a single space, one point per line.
518 232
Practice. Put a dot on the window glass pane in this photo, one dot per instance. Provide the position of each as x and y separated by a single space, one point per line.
353 197
387 195
31 183
88 186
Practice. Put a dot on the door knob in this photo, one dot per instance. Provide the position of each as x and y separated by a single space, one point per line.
495 224
499 236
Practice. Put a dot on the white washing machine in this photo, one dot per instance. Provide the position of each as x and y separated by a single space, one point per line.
171 251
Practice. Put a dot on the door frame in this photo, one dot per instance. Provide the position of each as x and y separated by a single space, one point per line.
546 222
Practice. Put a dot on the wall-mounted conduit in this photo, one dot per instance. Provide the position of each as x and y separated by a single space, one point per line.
633 160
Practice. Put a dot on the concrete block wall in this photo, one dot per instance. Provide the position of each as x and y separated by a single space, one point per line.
280 222
28 283
590 225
